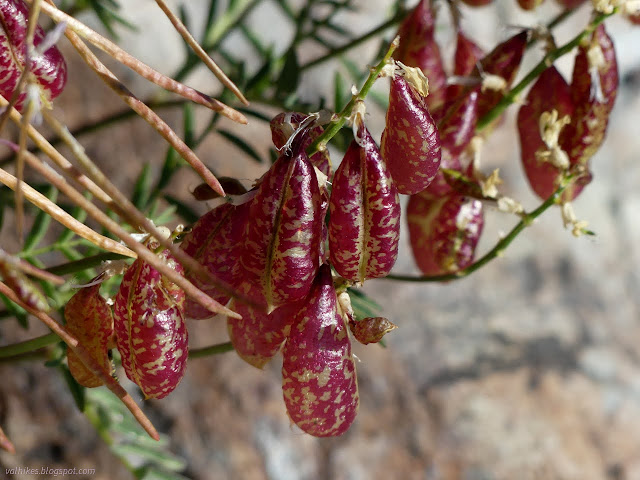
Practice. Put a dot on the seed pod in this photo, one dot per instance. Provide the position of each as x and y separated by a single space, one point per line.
467 56
594 87
410 141
529 4
318 372
215 241
89 319
48 68
503 61
151 334
231 186
371 329
21 285
286 124
281 246
418 48
444 231
258 336
364 222
550 92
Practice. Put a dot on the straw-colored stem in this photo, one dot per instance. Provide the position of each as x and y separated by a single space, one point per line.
142 252
140 68
29 269
199 51
5 443
58 214
87 360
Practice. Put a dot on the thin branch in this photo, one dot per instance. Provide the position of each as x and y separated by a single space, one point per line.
28 346
29 269
212 350
84 263
199 51
88 361
57 213
139 67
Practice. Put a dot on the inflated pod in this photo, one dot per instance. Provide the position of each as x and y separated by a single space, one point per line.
151 334
319 382
444 231
89 319
48 68
410 140
364 222
371 329
22 286
418 48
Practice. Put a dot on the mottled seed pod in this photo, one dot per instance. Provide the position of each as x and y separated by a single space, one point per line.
418 48
216 241
258 336
48 68
281 245
231 186
371 329
467 56
364 222
529 4
444 231
318 372
410 141
549 92
22 286
88 318
151 334
503 62
285 124
594 87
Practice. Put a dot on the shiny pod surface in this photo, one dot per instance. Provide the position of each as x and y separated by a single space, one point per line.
151 334
319 382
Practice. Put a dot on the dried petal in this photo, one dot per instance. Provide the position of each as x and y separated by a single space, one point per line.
467 56
151 334
418 48
318 372
364 225
371 329
444 231
48 68
281 247
89 319
215 241
410 140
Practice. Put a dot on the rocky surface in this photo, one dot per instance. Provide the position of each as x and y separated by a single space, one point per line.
528 369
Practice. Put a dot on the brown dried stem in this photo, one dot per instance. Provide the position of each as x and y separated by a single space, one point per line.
26 267
137 66
57 213
87 360
199 51
5 443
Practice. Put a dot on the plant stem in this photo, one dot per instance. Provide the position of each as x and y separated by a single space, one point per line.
498 249
212 350
545 63
29 345
84 264
320 143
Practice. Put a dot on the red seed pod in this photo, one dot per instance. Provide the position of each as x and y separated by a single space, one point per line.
318 372
410 141
444 231
371 329
594 87
258 336
151 334
457 128
364 222
215 241
21 285
467 56
550 92
418 48
529 4
286 124
89 319
281 246
503 61
48 68
635 19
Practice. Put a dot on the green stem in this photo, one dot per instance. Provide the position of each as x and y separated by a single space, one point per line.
84 264
212 350
28 346
545 63
334 127
498 249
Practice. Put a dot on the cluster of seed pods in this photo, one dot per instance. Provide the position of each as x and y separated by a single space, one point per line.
47 68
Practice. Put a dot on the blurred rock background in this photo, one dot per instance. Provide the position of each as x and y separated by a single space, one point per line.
529 369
